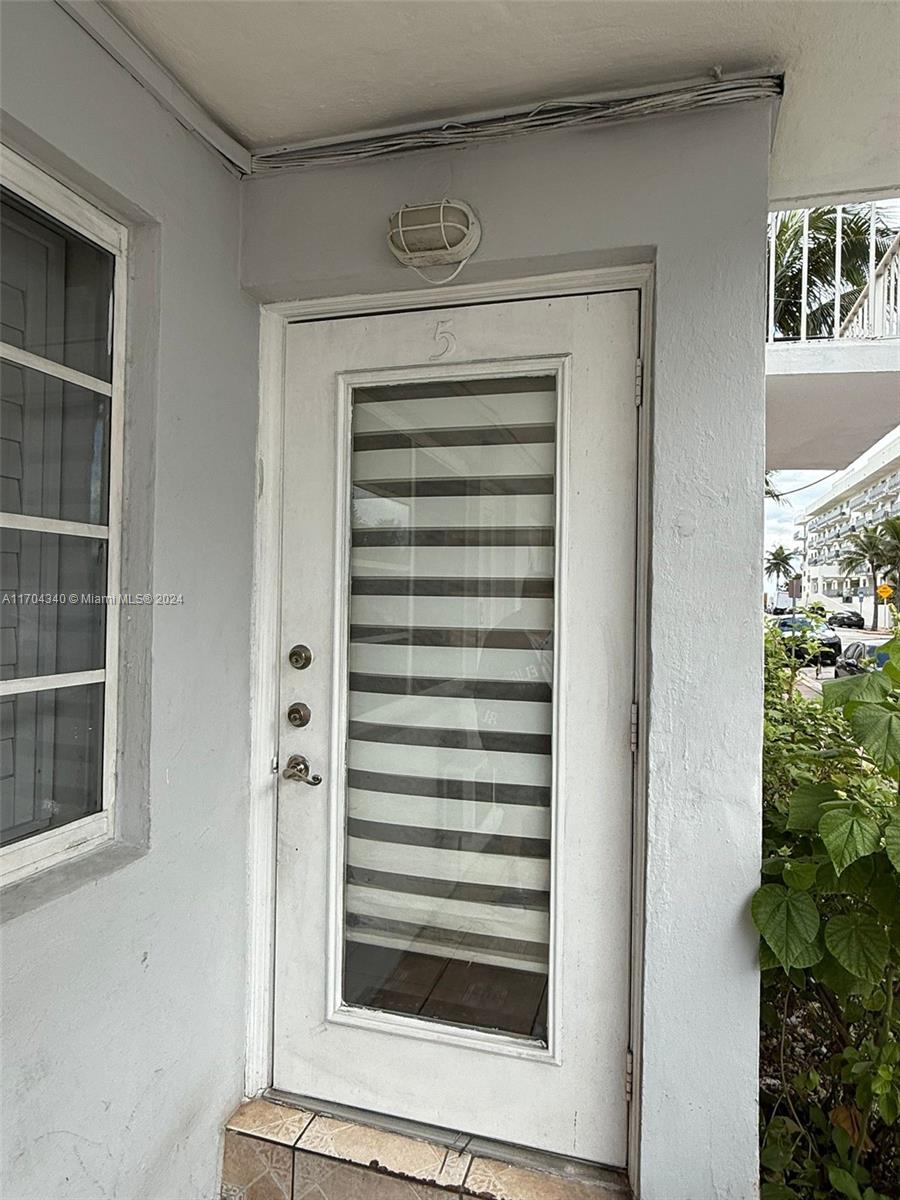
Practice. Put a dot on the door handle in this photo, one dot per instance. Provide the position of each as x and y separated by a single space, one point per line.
297 770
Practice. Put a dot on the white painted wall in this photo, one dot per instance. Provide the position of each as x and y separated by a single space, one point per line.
123 999
692 192
827 402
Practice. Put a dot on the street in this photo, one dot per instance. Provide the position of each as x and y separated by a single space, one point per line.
809 685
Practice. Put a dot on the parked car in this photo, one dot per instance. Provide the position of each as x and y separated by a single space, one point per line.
846 618
809 641
858 658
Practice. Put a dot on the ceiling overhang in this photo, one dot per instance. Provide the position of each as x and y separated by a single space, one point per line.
253 76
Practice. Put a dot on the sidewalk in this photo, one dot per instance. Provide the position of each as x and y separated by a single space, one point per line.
810 687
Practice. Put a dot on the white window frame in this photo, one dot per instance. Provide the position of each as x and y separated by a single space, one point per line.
20 860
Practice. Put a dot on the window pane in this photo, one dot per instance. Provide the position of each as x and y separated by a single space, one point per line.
51 749
39 635
450 699
55 448
57 290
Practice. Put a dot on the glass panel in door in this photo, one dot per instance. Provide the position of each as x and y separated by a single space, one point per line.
447 894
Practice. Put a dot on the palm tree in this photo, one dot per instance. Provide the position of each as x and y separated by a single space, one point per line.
855 225
890 536
865 550
771 491
780 564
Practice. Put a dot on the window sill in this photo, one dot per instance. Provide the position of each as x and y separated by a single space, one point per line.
22 859
57 879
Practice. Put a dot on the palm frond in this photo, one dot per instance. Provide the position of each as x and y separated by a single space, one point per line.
863 550
890 538
855 224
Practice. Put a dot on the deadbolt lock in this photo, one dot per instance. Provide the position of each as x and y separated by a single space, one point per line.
300 657
298 714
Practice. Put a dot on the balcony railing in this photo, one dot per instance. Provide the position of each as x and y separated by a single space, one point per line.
876 311
834 273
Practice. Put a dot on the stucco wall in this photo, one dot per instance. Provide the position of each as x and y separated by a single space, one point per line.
690 192
123 999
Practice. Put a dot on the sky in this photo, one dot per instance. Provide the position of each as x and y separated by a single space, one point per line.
799 489
780 517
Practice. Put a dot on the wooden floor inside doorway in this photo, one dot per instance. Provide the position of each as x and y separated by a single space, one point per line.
453 991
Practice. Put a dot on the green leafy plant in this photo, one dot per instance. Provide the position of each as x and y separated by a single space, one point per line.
828 913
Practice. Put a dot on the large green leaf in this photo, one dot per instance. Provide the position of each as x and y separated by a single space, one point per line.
809 955
830 972
844 1182
826 879
848 835
877 727
857 878
859 944
805 805
800 875
892 841
892 648
788 920
767 959
884 895
870 685
776 1191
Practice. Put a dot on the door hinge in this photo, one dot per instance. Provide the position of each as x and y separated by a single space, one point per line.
275 764
634 728
638 382
629 1075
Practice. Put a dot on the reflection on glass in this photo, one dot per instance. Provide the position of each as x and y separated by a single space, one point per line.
450 701
55 448
57 290
39 634
51 771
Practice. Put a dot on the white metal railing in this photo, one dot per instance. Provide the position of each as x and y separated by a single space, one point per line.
875 313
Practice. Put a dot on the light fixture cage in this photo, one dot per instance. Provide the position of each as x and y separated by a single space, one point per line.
439 234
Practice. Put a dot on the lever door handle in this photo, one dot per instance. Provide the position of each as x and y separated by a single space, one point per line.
297 770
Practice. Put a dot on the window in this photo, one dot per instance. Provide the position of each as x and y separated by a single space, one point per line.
449 739
61 368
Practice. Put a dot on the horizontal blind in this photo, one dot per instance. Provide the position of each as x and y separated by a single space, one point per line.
451 668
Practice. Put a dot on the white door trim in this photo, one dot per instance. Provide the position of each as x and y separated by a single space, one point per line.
264 688
265 628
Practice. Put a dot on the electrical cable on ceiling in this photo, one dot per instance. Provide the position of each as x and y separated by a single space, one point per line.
554 114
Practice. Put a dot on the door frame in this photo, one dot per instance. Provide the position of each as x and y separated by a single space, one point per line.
266 632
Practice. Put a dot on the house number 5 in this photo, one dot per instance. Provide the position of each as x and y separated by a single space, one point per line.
444 338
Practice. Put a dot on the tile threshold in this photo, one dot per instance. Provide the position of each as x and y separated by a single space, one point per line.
329 1152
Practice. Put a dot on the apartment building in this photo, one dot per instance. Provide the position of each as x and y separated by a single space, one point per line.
863 494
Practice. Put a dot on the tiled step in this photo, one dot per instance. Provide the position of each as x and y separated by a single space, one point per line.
277 1152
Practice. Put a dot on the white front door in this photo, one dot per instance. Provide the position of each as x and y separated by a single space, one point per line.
453 900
